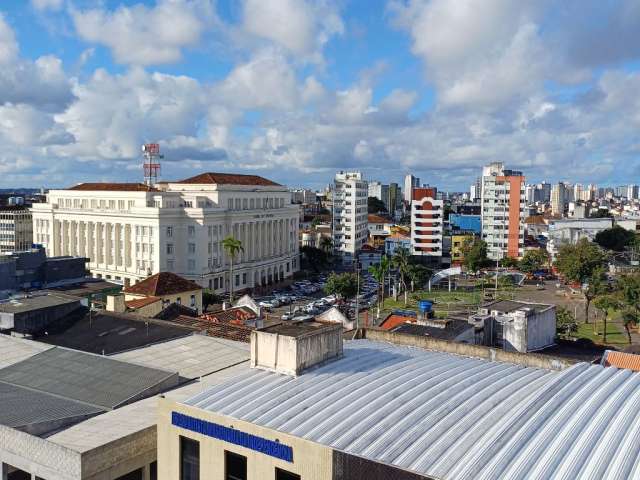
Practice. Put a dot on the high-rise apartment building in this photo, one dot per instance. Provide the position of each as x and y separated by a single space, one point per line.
633 192
559 198
16 228
426 222
409 183
381 192
350 224
131 230
395 198
475 190
502 214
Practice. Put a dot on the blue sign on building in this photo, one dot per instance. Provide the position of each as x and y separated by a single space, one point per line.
231 435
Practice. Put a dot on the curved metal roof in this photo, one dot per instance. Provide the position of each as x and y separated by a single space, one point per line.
449 416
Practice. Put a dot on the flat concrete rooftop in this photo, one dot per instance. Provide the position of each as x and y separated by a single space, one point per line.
297 329
37 302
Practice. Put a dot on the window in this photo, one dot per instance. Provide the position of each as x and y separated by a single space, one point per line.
120 204
237 280
191 264
169 248
191 230
237 204
244 278
192 248
170 265
169 232
244 203
284 475
252 204
179 301
230 204
189 459
193 301
210 230
235 466
215 283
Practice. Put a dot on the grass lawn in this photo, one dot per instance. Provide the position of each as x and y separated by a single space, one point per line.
440 297
615 333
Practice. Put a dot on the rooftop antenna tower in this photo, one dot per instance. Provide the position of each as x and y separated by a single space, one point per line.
151 165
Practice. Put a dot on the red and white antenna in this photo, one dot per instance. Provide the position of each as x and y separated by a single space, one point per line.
151 165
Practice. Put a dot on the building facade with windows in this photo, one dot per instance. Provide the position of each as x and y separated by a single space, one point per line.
16 228
131 231
350 217
502 214
426 222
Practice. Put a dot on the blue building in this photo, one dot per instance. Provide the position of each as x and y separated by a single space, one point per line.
465 223
394 241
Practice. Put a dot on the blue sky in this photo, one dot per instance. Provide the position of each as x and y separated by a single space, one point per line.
297 89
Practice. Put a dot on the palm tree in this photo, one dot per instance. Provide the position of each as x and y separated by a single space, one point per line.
232 247
379 271
400 260
326 244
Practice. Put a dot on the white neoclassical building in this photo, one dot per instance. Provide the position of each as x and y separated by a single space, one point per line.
130 230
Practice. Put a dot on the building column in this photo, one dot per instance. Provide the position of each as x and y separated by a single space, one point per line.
127 246
117 240
4 471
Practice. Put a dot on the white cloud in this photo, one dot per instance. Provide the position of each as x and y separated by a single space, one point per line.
42 5
141 35
302 27
8 43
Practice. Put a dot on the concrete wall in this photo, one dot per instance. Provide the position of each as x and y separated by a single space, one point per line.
480 351
310 460
541 331
31 321
185 299
317 348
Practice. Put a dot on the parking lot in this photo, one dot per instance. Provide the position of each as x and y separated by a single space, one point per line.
305 299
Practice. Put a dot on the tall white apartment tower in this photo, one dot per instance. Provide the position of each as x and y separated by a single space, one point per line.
350 225
502 214
410 182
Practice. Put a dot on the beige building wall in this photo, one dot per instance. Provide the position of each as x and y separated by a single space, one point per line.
185 299
311 461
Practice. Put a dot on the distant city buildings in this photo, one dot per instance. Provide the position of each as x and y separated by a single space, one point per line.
350 223
503 203
410 182
16 228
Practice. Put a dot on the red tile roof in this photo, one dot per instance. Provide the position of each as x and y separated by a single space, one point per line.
163 283
141 302
372 218
229 331
236 315
119 187
621 360
229 179
394 320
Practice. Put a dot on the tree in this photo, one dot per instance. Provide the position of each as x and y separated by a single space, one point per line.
209 297
509 262
326 244
344 285
534 260
606 303
313 257
584 263
565 321
630 318
475 254
232 247
615 238
400 260
577 262
379 271
629 292
315 222
375 205
418 275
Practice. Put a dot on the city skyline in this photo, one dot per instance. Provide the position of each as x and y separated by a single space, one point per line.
346 85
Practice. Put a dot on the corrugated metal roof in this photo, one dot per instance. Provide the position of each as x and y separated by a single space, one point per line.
21 407
92 379
448 416
192 357
621 360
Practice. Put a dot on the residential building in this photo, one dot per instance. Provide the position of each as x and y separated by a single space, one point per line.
503 213
517 326
381 192
350 226
458 242
410 182
475 190
369 410
130 231
559 198
633 192
426 222
394 241
465 223
303 196
395 199
16 228
379 228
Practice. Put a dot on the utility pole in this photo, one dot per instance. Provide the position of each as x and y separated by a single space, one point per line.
357 291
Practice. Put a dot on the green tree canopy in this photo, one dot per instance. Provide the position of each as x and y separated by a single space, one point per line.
615 238
534 260
313 257
344 285
577 262
375 205
475 254
209 297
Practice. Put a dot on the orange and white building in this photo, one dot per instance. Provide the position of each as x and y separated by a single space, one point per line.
502 214
426 222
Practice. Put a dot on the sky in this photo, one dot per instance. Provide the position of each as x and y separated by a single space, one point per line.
295 90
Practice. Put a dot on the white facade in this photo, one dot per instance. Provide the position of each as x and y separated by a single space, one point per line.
350 219
570 231
409 183
16 229
381 192
304 196
129 233
633 192
503 211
